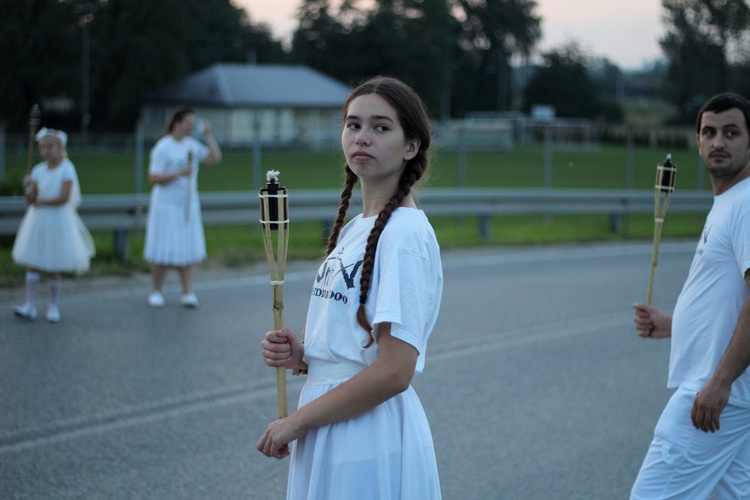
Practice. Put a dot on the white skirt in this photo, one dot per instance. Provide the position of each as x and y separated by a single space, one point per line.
174 238
53 239
384 454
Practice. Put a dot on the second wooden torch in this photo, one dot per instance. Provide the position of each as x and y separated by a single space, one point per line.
665 176
34 118
274 219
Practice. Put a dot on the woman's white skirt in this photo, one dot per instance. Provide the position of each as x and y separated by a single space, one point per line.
174 238
384 454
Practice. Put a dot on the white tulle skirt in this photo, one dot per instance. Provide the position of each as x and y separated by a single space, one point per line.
174 238
386 453
53 239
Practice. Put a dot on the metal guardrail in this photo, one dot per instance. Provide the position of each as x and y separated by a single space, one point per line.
124 213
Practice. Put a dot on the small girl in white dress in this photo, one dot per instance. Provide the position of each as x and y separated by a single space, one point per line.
52 237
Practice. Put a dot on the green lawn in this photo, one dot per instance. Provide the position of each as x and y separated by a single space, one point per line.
595 167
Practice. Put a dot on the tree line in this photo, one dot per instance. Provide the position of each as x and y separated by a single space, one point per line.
462 56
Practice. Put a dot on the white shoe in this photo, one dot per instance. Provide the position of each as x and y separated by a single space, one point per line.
53 314
26 311
189 300
156 299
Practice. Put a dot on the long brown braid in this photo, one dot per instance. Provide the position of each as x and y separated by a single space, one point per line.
413 119
346 196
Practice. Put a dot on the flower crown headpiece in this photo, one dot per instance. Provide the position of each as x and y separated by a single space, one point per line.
44 132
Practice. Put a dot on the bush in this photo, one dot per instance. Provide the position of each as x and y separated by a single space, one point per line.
12 184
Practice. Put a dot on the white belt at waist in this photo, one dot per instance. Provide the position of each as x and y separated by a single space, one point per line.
332 373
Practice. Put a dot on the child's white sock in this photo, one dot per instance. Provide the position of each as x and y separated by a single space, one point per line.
32 284
54 291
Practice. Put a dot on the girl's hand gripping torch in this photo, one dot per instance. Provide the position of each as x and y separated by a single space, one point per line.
274 218
665 175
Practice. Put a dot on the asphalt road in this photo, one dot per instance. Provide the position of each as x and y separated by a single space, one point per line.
536 385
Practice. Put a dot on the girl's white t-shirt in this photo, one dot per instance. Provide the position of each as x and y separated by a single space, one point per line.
406 290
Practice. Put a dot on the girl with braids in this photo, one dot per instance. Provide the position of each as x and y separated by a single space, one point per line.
360 430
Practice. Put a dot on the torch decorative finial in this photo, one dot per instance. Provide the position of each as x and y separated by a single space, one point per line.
272 176
274 219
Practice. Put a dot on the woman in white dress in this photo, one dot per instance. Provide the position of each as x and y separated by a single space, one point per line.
51 238
174 229
360 430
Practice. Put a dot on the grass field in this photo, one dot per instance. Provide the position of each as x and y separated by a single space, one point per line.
595 167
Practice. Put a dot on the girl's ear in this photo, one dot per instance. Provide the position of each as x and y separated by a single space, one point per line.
412 148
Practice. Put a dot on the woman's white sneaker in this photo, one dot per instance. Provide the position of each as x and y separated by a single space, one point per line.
189 300
156 299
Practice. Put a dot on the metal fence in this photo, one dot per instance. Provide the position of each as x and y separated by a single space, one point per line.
123 214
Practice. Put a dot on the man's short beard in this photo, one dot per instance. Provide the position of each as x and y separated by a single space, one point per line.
727 172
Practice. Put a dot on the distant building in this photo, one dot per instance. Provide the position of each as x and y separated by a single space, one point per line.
276 104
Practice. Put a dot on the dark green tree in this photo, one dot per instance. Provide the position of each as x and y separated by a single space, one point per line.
740 74
415 40
263 49
40 57
611 88
564 82
147 48
493 33
135 46
608 77
433 34
705 43
319 40
153 43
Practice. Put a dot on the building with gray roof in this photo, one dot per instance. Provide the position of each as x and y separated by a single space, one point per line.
278 105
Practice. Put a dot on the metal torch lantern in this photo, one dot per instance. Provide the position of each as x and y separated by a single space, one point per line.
274 219
663 189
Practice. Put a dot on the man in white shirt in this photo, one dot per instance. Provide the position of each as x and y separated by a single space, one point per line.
701 444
